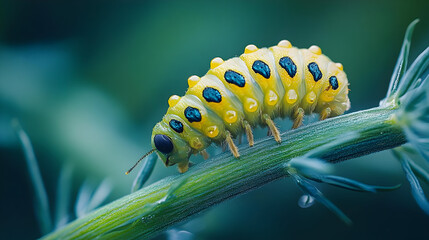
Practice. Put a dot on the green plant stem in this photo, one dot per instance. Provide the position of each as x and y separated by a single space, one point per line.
223 177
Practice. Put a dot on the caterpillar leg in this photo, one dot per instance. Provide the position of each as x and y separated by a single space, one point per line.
183 166
249 133
325 113
272 127
205 154
298 116
231 145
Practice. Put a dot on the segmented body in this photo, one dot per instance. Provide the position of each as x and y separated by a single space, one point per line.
240 93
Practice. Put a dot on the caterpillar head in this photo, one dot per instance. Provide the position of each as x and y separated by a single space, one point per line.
170 148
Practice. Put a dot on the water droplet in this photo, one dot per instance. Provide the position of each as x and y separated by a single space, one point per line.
306 201
146 219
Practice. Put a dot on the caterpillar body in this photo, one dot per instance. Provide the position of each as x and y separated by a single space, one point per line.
240 93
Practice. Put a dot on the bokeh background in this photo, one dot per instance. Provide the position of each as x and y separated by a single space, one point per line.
89 79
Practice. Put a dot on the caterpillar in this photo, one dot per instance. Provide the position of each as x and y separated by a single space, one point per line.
240 93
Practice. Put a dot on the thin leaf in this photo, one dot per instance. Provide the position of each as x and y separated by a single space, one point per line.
41 198
418 83
83 198
416 189
419 139
416 97
419 171
145 172
350 184
100 195
88 199
62 207
413 101
311 190
416 69
401 64
316 169
413 117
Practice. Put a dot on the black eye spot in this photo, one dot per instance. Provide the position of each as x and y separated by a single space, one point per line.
234 78
163 143
261 68
212 95
334 82
176 125
193 114
288 64
315 71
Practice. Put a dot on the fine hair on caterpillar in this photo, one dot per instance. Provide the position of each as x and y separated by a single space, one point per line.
238 94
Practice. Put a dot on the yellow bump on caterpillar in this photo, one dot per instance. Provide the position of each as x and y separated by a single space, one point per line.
193 80
173 100
216 62
250 48
316 50
285 44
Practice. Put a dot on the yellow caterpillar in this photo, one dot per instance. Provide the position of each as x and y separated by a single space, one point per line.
238 94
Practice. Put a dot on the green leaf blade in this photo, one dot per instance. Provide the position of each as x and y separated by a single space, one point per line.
145 172
41 197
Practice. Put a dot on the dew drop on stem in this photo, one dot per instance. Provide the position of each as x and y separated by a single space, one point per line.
305 201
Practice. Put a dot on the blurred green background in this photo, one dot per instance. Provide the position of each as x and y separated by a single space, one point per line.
89 79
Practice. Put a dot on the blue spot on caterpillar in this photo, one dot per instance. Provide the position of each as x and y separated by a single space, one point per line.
288 65
212 95
192 114
333 82
234 78
176 125
315 71
261 68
